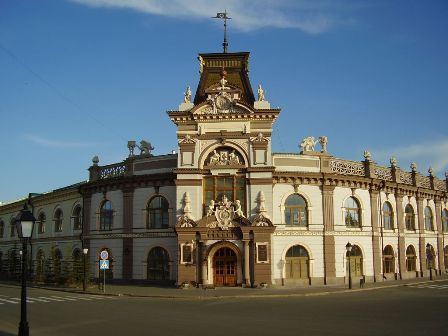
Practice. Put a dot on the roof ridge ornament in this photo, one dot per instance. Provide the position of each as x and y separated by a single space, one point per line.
223 16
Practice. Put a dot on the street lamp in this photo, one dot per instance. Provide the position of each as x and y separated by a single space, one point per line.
429 257
84 253
348 247
24 224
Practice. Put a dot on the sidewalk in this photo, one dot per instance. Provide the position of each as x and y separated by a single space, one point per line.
232 292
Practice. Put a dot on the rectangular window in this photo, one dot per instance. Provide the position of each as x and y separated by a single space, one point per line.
215 187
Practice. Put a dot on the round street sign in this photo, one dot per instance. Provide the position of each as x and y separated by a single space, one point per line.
104 255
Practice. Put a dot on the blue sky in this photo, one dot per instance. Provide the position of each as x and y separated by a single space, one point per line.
81 77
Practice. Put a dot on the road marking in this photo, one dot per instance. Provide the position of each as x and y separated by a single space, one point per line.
50 298
80 298
9 301
63 298
39 300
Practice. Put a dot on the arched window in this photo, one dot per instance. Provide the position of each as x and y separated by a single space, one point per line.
445 223
352 213
57 265
388 216
106 216
12 228
2 228
296 211
158 264
58 217
409 217
77 265
388 260
411 259
40 266
77 218
429 224
216 187
297 263
355 261
41 222
430 257
157 213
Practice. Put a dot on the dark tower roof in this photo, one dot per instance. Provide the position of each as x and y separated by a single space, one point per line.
236 66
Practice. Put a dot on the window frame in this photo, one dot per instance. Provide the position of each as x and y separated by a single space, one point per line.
350 212
388 214
301 210
41 223
58 219
158 217
106 216
237 191
77 217
409 217
444 221
429 219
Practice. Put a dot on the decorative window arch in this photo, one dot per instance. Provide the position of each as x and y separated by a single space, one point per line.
445 223
352 212
355 261
41 219
296 210
388 260
2 229
157 213
429 220
388 216
411 259
297 263
77 217
409 217
57 264
106 216
58 219
158 264
77 259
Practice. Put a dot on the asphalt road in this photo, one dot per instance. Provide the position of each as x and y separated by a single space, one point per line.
405 310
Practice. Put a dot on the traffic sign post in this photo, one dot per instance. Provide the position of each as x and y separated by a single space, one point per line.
104 265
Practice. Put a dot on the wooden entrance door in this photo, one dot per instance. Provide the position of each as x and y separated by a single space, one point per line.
224 263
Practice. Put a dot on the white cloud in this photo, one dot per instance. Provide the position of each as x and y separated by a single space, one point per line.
54 143
310 16
426 154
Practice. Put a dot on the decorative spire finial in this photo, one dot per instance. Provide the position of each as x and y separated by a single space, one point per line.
224 17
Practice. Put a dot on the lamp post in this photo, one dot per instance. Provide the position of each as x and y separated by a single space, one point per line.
84 254
429 257
348 247
24 223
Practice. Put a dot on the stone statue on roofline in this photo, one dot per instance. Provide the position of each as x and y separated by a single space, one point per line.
260 92
308 144
187 95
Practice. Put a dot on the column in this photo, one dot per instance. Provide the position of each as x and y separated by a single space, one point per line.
421 231
401 240
204 272
128 242
329 242
376 234
246 263
439 228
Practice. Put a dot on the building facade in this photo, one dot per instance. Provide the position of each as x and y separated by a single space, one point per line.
227 211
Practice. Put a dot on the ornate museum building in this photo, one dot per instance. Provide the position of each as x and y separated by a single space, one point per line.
227 211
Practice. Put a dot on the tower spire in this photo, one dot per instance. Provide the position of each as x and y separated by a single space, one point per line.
224 17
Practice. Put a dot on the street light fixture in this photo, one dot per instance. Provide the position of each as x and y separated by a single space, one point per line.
84 253
348 247
24 224
429 257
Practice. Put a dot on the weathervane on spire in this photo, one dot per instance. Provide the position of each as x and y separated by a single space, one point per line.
224 17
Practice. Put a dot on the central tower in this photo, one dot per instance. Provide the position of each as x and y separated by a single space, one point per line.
224 171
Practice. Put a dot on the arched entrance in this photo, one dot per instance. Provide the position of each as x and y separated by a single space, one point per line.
225 267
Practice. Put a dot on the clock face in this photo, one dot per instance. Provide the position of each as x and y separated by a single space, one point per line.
222 103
